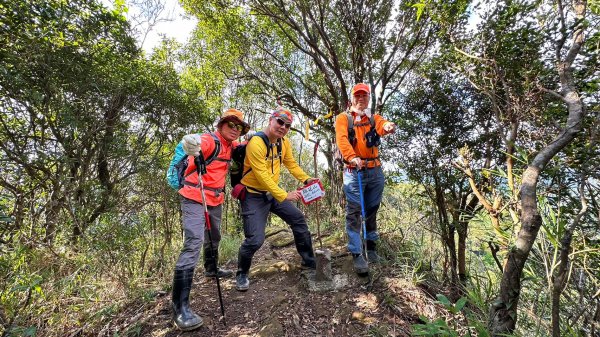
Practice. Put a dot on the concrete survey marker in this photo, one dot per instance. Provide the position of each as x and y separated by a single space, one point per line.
323 272
339 281
322 279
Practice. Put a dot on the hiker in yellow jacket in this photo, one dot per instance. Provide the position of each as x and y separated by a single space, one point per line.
359 148
262 166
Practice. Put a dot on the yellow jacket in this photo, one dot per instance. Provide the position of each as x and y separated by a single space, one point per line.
264 173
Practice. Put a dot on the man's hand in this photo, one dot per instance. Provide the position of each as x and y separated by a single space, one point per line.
357 162
389 127
310 180
191 144
293 196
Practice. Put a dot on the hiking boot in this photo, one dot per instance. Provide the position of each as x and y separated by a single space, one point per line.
222 273
308 265
241 282
371 253
360 264
373 257
184 318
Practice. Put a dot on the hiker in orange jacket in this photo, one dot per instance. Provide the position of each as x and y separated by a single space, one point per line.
360 153
230 127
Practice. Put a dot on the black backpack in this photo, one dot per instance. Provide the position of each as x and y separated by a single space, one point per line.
238 154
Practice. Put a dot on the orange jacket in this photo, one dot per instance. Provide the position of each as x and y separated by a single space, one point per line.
216 172
361 127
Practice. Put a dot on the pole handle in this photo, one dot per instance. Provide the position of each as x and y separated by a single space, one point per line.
200 164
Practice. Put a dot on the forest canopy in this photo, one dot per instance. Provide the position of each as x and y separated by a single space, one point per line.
493 173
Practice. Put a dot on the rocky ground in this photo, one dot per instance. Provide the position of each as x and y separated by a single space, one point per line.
282 302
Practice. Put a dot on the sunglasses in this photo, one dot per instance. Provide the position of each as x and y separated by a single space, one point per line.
282 123
232 125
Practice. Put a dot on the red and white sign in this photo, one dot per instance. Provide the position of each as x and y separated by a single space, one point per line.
312 192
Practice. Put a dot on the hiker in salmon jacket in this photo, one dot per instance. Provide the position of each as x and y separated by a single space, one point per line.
357 134
266 153
230 127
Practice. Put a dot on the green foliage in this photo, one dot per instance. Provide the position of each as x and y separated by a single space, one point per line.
229 246
19 291
437 327
595 6
452 308
420 8
88 122
440 327
84 126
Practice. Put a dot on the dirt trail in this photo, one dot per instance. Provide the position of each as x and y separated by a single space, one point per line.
279 302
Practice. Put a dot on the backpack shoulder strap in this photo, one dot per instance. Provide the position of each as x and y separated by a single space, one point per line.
217 150
350 121
372 120
265 139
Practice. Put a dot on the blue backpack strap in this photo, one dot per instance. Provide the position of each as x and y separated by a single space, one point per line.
265 139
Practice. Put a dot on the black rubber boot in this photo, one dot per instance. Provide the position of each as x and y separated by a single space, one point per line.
209 264
372 253
305 249
184 317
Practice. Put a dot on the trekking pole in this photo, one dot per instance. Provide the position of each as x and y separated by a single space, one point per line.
364 216
201 169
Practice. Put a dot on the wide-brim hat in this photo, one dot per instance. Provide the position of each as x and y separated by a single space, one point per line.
234 115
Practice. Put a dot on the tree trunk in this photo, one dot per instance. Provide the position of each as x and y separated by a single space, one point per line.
503 312
447 231
51 214
452 254
596 320
559 280
467 209
462 248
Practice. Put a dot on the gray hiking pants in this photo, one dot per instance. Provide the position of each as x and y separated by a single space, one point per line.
255 210
194 228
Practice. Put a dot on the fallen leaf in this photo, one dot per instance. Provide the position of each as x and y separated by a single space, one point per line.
358 316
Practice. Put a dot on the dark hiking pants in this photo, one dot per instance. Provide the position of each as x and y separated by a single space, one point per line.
255 211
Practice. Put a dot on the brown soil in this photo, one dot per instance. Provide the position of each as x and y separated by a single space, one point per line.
279 302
